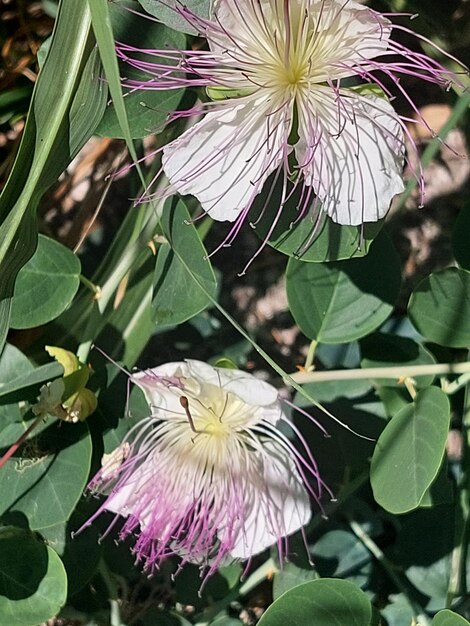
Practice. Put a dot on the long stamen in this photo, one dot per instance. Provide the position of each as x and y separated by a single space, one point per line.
185 404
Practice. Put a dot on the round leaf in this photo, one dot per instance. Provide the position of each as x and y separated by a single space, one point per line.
45 285
440 308
342 301
323 602
409 452
33 583
46 482
449 618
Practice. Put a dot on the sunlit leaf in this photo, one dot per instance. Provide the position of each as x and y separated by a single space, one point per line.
326 601
46 285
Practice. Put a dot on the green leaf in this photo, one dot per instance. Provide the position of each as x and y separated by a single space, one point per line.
312 238
33 583
340 554
170 12
330 390
342 301
385 350
449 618
37 376
18 374
46 285
440 307
423 548
398 612
432 581
460 237
441 490
14 102
67 103
291 576
172 281
323 602
14 365
147 110
409 451
72 548
46 481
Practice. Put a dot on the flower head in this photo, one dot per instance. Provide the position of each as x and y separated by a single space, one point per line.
209 476
300 89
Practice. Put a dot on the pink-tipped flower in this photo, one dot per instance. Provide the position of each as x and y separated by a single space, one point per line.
209 476
281 76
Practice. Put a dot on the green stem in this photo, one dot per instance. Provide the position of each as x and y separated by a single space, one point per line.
113 594
456 385
95 289
308 366
393 372
458 573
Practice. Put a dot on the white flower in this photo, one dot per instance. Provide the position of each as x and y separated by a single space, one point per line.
278 71
209 476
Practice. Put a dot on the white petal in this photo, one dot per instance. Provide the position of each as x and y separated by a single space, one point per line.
125 500
199 379
225 158
277 504
347 33
351 152
248 388
156 385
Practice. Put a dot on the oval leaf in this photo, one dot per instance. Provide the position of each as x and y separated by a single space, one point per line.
47 480
177 261
323 602
33 583
449 618
339 302
409 452
45 285
440 308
